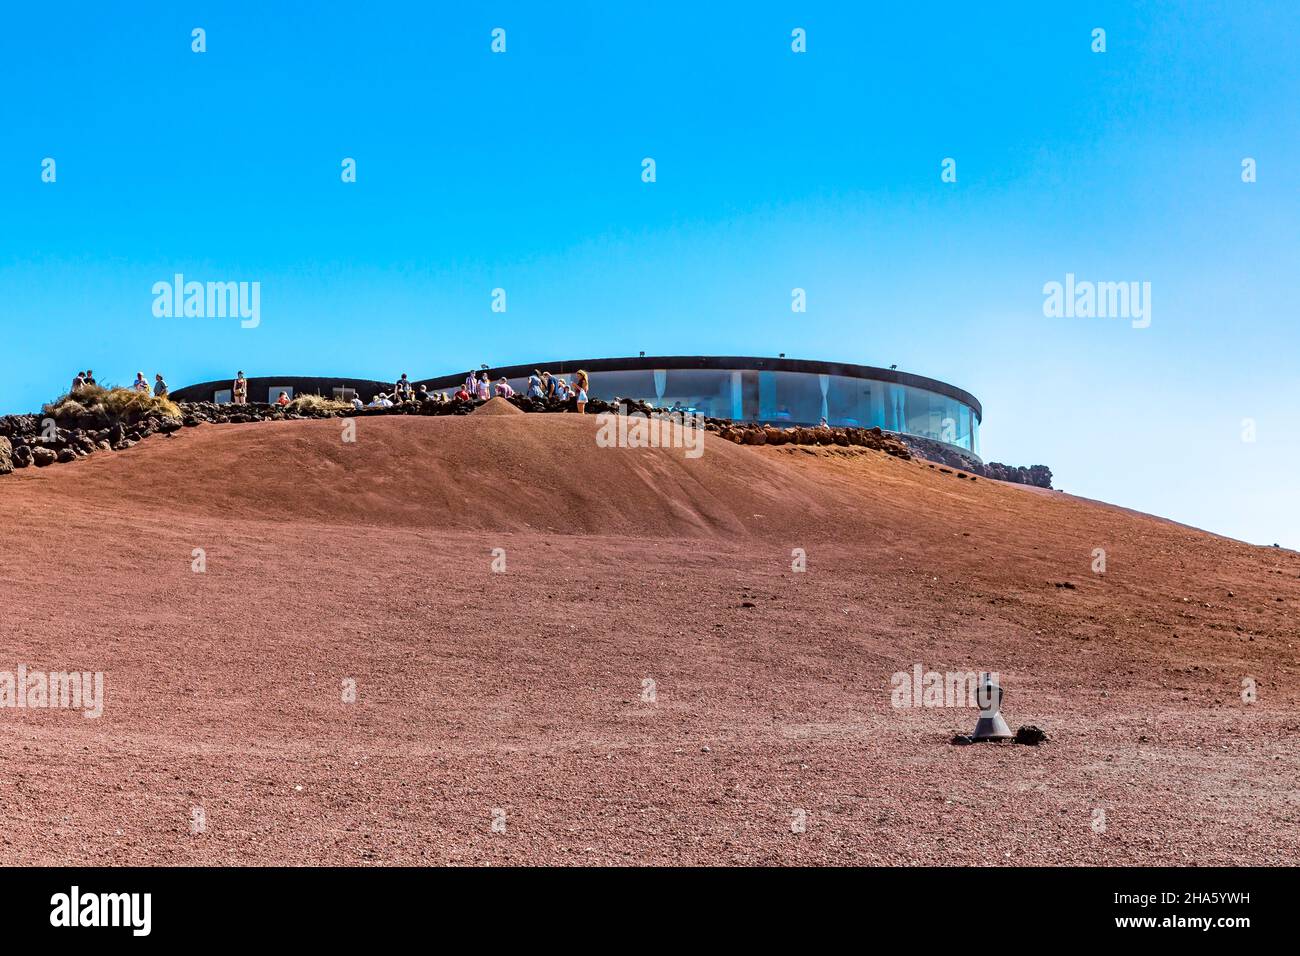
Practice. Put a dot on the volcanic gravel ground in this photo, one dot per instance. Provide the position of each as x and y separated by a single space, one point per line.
523 692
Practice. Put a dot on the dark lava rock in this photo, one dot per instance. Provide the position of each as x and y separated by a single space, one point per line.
1039 476
6 456
22 456
961 740
42 457
1030 735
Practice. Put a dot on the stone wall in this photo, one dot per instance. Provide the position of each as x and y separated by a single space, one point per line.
27 440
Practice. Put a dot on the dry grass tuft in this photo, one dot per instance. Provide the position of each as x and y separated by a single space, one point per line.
316 404
121 403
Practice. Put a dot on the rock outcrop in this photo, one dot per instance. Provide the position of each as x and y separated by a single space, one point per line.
1040 476
872 438
29 440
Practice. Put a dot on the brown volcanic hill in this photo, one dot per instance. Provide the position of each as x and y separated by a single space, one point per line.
230 581
497 406
508 472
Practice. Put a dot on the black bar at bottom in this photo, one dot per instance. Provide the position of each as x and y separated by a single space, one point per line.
335 905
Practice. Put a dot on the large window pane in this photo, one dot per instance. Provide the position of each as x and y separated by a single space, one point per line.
793 398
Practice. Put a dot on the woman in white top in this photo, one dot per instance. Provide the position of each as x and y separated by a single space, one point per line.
580 382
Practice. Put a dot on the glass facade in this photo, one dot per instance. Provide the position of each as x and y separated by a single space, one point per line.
798 395
792 398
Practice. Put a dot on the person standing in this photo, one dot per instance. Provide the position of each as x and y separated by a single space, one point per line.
78 382
402 390
580 382
239 389
140 385
159 386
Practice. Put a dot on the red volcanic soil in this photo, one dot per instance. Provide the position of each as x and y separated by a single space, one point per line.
520 696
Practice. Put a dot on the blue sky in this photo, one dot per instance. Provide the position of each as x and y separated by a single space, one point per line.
775 170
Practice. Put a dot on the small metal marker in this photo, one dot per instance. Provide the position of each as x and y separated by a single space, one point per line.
990 725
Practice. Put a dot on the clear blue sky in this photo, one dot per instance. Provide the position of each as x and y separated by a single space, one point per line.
775 170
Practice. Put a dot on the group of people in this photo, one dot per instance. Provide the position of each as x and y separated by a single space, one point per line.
159 386
476 387
82 380
404 390
87 379
546 385
479 387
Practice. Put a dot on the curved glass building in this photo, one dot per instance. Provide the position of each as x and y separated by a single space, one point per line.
776 391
